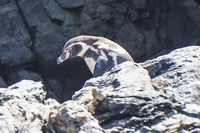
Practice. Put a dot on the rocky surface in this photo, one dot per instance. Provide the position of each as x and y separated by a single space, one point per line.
126 99
23 107
158 95
34 32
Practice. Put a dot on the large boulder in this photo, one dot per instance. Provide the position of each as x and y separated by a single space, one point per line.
15 41
23 107
33 33
126 99
177 74
159 95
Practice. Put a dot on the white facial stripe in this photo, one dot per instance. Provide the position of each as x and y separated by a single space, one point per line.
84 46
94 50
114 56
90 63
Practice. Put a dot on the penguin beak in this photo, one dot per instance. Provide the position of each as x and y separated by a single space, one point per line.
64 56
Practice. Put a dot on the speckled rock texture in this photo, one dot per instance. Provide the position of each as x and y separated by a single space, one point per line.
158 95
127 99
33 34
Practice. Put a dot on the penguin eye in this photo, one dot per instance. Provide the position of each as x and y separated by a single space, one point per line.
68 49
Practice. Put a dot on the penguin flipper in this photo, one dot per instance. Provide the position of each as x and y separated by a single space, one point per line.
102 65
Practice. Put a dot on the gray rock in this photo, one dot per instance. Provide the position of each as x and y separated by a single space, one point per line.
39 29
108 1
126 99
87 23
192 9
3 2
134 16
177 72
71 117
90 7
139 4
127 104
15 43
70 4
23 107
121 6
46 44
70 26
152 43
103 13
129 37
53 10
17 76
56 87
2 83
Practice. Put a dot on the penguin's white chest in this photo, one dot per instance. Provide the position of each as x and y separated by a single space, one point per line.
90 63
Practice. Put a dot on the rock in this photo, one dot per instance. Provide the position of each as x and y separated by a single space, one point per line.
42 29
134 16
103 13
108 1
70 26
87 23
53 10
176 72
152 42
70 4
192 9
4 2
34 32
2 83
139 4
56 87
23 74
126 99
23 107
73 118
128 34
14 35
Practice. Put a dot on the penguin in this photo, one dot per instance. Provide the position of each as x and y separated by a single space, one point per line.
99 53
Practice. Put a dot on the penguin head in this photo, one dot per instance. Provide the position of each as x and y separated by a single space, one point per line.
77 46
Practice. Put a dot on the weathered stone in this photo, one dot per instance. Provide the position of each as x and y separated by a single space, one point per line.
139 4
103 13
126 99
53 10
2 83
3 2
121 6
73 118
56 87
70 26
177 72
14 38
175 122
90 7
152 44
22 107
46 44
134 16
35 31
17 76
192 8
108 1
131 39
183 27
70 4
87 23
